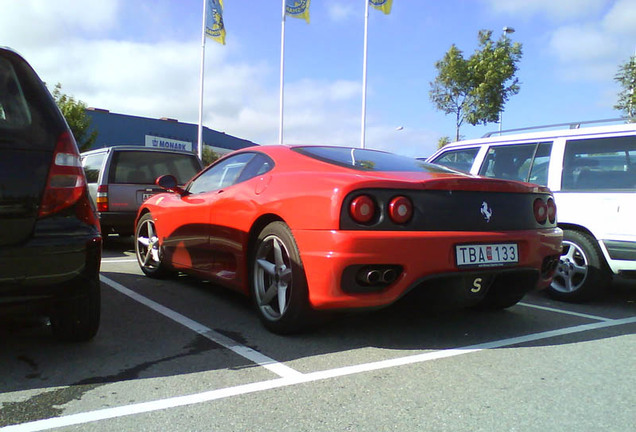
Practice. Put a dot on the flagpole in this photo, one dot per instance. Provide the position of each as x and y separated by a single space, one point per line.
282 76
200 127
364 74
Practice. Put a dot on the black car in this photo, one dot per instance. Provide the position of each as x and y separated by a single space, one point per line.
50 241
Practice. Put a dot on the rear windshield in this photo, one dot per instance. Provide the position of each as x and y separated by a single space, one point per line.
141 167
14 110
368 160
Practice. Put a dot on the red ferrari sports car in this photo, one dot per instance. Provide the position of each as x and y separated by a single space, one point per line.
308 228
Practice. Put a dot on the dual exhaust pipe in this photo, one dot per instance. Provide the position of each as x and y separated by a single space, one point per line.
378 275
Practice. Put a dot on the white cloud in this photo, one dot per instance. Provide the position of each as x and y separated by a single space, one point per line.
28 23
621 19
341 11
558 10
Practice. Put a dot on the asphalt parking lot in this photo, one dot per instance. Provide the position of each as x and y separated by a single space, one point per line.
183 355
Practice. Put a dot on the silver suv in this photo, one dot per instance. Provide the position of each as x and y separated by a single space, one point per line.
592 173
120 178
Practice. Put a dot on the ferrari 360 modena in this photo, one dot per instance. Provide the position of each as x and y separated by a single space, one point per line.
304 229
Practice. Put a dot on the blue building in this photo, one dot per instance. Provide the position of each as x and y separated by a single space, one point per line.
118 129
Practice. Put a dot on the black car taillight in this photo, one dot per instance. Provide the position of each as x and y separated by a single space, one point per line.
66 182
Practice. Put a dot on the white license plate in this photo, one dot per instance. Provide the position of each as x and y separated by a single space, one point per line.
145 196
486 254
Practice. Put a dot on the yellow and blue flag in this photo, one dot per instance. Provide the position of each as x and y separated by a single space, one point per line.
297 9
383 5
214 27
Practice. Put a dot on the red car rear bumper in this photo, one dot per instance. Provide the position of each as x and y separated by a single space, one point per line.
420 255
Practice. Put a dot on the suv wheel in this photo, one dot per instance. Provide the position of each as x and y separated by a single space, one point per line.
76 319
581 274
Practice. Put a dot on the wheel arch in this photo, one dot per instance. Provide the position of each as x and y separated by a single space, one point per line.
258 225
583 230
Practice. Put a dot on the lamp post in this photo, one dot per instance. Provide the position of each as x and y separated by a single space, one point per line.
506 32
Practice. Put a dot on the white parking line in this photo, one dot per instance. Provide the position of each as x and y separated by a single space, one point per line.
226 342
179 401
565 312
118 260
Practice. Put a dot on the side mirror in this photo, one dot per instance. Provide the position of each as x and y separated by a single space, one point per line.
169 183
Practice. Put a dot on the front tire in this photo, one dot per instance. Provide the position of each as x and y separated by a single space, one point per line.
278 283
581 274
147 248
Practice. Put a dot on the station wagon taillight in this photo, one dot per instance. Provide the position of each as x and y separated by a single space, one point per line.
102 198
66 182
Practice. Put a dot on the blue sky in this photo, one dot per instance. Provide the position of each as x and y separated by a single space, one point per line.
142 57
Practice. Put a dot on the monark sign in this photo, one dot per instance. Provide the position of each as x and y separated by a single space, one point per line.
168 143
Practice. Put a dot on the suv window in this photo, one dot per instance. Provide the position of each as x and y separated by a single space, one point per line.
461 160
92 166
526 162
144 167
14 111
600 164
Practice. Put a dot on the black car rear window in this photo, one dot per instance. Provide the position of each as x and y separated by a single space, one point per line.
368 160
14 110
143 167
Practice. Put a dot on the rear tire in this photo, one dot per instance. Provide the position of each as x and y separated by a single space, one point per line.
582 273
76 319
278 283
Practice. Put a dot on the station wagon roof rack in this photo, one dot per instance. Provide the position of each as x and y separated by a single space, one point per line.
572 125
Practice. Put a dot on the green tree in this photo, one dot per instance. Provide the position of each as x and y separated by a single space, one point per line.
626 77
443 141
74 112
208 155
476 89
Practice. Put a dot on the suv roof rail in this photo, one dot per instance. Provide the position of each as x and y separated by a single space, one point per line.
572 125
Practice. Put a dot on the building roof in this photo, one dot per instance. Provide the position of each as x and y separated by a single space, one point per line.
117 129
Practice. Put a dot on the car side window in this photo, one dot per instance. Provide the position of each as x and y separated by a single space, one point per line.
222 174
600 164
92 166
511 162
461 160
259 165
540 164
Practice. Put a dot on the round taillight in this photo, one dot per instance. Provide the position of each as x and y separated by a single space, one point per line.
540 210
551 210
362 209
400 209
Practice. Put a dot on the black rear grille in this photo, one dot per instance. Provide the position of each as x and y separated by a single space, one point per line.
452 211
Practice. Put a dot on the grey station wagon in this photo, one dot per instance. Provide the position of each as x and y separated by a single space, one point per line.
120 178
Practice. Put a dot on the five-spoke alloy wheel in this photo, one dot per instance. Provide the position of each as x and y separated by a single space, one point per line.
147 248
581 273
278 284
